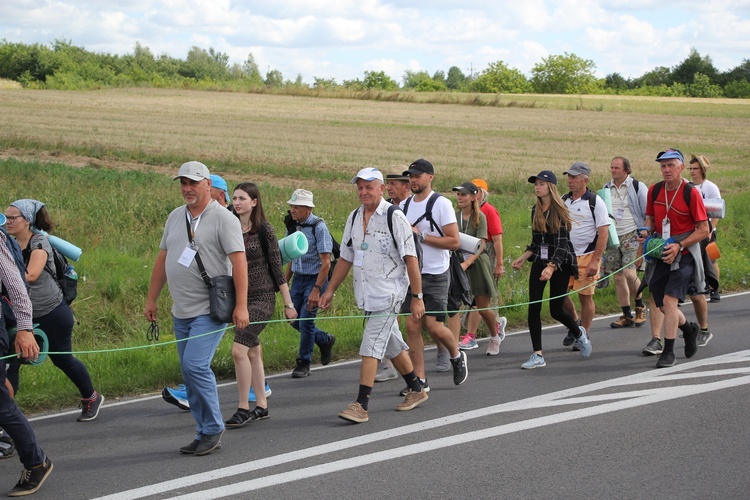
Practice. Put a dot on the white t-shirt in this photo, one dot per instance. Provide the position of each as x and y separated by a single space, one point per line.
709 190
584 226
435 260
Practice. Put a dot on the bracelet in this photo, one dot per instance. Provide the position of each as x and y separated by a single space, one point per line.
318 287
289 305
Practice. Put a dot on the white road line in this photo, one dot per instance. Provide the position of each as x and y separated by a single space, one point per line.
627 399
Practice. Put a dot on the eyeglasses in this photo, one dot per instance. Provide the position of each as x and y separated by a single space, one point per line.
12 218
694 168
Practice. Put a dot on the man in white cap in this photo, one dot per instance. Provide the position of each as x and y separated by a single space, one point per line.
385 264
310 278
201 228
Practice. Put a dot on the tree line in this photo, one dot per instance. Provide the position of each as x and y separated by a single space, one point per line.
64 66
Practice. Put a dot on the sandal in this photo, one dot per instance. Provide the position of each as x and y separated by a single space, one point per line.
240 418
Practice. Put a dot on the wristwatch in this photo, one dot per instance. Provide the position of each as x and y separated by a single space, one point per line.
289 306
422 237
417 295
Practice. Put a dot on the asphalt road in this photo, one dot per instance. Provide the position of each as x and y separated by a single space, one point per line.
611 426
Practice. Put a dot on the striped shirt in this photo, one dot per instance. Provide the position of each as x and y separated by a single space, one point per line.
13 283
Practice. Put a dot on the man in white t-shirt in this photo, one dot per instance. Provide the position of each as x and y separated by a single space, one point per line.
589 235
438 233
709 191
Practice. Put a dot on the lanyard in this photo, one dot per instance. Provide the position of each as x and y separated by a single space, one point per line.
666 201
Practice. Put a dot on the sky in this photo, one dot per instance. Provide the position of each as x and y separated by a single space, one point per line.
342 39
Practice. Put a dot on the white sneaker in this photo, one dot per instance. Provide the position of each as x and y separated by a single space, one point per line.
386 372
493 348
535 361
501 324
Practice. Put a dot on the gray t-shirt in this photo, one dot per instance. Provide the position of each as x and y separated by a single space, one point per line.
217 234
45 293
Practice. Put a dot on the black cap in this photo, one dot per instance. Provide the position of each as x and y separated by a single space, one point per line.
467 188
544 175
420 167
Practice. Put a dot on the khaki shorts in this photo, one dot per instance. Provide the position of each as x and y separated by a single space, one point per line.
582 281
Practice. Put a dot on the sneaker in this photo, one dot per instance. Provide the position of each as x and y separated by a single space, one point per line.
569 340
640 316
654 347
535 361
665 360
443 363
583 343
623 322
208 443
90 407
302 369
326 350
7 448
468 342
501 324
251 396
425 388
389 372
691 340
493 348
704 337
176 396
31 479
411 400
460 368
355 413
715 296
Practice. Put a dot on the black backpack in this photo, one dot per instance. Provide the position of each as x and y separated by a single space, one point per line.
62 272
291 227
17 254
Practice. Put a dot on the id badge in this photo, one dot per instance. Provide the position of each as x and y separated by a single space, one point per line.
544 252
359 257
187 257
619 213
666 231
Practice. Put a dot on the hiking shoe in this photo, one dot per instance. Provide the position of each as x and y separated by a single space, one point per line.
90 407
443 363
355 413
691 340
501 324
176 396
665 360
251 396
704 337
493 348
654 347
302 369
7 448
460 368
715 296
623 322
535 361
31 479
326 350
208 443
411 400
468 342
190 449
425 387
583 343
640 316
389 372
239 419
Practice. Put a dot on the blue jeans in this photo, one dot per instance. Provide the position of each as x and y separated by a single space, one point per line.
309 334
195 362
12 420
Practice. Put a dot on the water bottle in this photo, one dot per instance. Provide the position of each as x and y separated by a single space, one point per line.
71 273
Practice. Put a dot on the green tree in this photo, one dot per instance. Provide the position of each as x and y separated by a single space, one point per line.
702 87
741 72
378 80
499 78
274 79
693 63
421 81
324 83
661 75
456 80
617 82
564 74
738 89
204 64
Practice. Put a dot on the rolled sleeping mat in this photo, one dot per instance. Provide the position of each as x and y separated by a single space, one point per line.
469 243
715 208
41 340
66 248
293 246
606 195
713 251
2 219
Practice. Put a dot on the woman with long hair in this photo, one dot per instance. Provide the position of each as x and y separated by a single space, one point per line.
51 312
552 259
265 277
473 222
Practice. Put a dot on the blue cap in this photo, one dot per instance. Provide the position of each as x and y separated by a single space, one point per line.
219 183
670 154
544 175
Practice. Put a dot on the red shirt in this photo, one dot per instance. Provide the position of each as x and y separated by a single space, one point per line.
681 218
494 224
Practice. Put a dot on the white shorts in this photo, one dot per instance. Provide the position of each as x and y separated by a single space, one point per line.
382 337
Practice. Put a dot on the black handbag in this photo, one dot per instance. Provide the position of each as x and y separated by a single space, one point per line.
222 297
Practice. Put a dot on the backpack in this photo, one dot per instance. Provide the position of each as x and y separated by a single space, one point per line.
17 254
292 225
62 272
687 192
391 209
